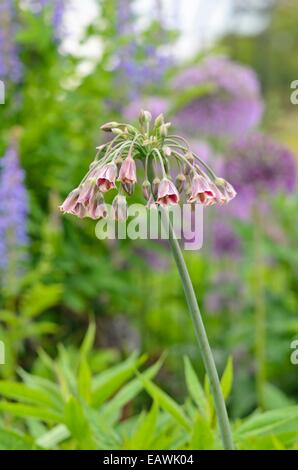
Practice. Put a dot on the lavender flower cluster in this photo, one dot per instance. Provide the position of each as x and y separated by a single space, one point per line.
136 73
13 209
10 65
57 7
258 167
232 107
155 148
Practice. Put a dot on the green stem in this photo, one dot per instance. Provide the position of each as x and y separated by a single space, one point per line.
202 338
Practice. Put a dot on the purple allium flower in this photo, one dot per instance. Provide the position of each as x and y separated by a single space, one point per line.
233 105
259 166
10 65
225 241
13 210
156 105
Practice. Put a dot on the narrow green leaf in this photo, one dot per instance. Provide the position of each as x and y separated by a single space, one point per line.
26 411
144 432
14 440
88 340
202 435
166 402
84 380
113 408
78 424
195 388
105 384
22 392
52 438
227 379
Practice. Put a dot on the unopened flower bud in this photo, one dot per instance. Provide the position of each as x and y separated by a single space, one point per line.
119 161
117 131
159 120
109 126
146 186
180 182
128 188
190 158
163 130
144 117
155 186
119 206
167 151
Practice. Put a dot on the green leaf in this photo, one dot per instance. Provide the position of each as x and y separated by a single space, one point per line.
14 440
274 421
84 380
78 424
275 398
166 402
113 408
144 432
44 385
227 379
88 340
202 435
26 411
195 388
52 438
22 392
108 382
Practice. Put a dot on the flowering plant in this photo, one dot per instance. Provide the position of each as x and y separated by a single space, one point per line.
158 150
196 182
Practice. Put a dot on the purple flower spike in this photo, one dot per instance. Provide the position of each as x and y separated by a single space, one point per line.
13 210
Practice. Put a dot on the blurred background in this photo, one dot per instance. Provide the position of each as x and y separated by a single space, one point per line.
221 71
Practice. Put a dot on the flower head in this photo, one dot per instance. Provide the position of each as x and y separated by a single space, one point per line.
232 106
156 150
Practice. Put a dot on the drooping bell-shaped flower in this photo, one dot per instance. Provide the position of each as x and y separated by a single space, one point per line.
88 191
120 208
70 202
167 193
106 177
200 190
97 207
128 171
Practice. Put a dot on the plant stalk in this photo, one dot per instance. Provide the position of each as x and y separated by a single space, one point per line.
202 338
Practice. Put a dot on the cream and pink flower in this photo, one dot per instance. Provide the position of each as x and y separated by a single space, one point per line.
70 202
201 190
97 208
128 171
106 177
88 192
119 206
167 193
